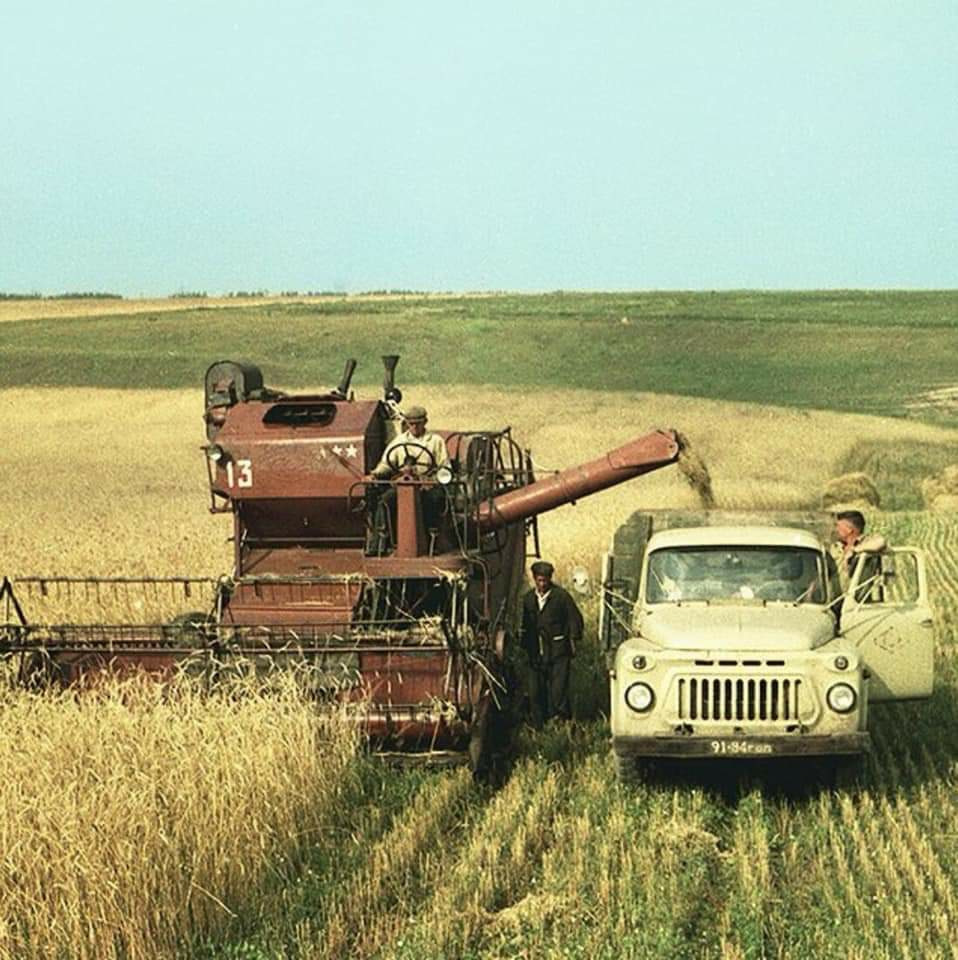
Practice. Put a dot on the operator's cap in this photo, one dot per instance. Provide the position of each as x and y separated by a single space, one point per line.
414 414
542 568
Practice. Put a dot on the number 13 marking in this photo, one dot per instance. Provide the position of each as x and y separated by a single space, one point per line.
242 478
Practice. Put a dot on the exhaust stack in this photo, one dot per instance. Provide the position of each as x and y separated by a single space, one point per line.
348 372
390 392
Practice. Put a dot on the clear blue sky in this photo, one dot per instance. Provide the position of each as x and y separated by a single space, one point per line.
150 148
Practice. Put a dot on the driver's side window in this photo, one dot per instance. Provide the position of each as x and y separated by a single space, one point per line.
899 575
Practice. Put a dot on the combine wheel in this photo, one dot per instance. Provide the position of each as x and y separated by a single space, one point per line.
490 736
408 453
480 739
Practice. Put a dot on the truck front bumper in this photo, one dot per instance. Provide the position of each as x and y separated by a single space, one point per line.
743 746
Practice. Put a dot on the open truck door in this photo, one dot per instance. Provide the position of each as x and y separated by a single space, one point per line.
887 615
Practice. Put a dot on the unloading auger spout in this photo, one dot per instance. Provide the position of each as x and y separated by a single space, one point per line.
639 456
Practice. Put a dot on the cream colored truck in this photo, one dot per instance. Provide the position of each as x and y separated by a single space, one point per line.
741 644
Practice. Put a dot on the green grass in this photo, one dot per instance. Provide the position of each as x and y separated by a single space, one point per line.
841 350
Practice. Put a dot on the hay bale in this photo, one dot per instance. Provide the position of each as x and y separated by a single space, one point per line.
940 491
850 491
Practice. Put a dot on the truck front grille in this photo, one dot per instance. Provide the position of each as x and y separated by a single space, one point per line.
732 698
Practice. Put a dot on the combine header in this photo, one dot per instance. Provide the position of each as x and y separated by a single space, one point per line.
406 609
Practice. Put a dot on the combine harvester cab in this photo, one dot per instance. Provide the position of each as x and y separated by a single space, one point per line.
415 634
730 636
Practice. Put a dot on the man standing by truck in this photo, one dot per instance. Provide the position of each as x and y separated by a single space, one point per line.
551 630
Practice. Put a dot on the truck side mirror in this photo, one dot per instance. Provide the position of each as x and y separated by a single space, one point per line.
581 581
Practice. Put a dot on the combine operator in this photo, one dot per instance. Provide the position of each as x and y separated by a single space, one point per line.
551 628
424 453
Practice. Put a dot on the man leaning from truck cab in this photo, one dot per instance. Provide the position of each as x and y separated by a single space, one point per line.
418 450
852 548
551 630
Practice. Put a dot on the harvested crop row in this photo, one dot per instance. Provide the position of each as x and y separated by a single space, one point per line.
498 860
397 873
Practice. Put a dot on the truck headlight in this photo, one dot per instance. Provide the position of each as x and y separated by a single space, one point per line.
640 697
841 698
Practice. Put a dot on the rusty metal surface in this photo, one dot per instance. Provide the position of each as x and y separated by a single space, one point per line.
647 453
414 633
279 461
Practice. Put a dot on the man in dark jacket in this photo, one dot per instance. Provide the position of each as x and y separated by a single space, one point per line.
551 629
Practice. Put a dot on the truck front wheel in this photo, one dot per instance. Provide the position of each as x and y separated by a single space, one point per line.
845 772
630 771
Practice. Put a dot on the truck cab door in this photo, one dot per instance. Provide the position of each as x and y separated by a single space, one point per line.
887 615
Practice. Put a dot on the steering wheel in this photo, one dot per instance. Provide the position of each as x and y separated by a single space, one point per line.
406 453
775 590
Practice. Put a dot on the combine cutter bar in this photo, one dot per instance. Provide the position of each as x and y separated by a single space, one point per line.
102 600
425 758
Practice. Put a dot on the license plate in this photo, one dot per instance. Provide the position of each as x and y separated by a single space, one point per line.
740 748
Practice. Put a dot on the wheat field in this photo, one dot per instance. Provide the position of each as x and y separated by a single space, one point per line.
66 308
140 822
114 482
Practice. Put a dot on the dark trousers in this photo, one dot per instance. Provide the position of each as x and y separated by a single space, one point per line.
549 689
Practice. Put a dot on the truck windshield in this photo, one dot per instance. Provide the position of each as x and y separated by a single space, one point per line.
790 574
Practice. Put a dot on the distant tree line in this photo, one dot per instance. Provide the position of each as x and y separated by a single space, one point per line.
202 294
70 295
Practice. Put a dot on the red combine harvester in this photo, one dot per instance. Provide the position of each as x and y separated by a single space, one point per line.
416 632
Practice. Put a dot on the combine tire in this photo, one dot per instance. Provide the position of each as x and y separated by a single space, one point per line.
490 737
480 740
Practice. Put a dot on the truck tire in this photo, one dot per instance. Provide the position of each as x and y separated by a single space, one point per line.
631 771
846 771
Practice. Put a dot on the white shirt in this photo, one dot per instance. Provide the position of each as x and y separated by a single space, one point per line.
416 451
542 597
